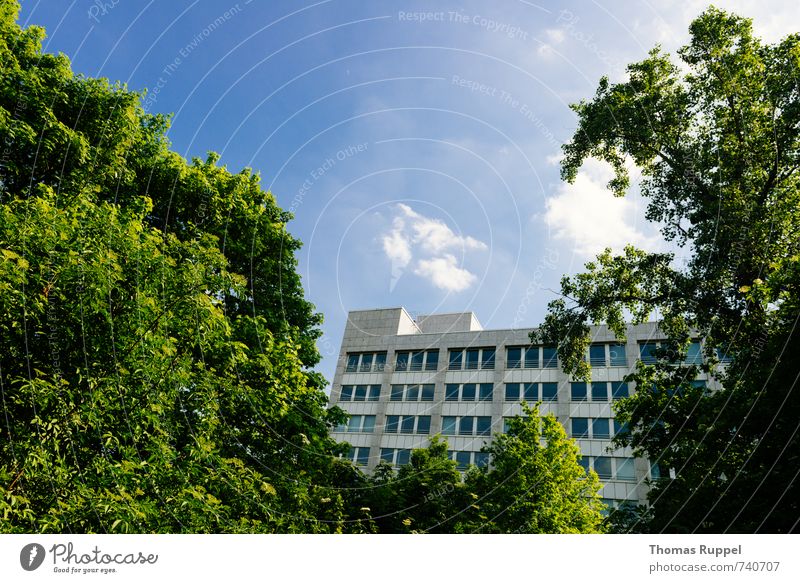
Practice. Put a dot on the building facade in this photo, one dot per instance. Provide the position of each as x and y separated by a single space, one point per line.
403 380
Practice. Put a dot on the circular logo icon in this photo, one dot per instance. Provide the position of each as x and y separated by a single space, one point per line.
31 556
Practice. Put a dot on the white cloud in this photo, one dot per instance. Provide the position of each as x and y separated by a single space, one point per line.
434 236
589 217
445 274
432 242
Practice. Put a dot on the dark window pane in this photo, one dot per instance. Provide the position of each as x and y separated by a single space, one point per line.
397 393
486 392
693 354
549 357
351 453
432 360
616 353
620 428
347 393
597 354
580 427
448 425
424 424
481 459
374 393
647 352
366 363
387 455
403 457
462 460
468 392
451 392
488 359
532 357
506 424
513 357
619 390
484 425
369 424
602 465
531 392
549 391
455 359
380 361
427 392
512 391
416 360
724 356
363 456
584 463
361 393
599 392
401 364
601 429
472 359
407 425
655 471
412 393
466 425
578 391
391 423
352 363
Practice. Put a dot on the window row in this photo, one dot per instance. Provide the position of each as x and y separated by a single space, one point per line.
358 424
599 391
467 425
471 358
531 392
469 392
366 362
531 357
360 393
395 457
412 393
610 468
607 355
417 360
464 459
650 352
420 424
599 428
358 455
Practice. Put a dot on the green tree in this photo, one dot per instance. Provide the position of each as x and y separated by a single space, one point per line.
716 141
534 484
155 344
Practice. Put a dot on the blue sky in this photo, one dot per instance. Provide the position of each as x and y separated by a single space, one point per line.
416 143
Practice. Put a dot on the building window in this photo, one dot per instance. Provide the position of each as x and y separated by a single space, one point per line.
467 425
578 391
358 424
472 358
519 356
530 392
513 357
580 427
464 459
468 392
602 465
601 428
395 457
647 352
549 357
625 469
481 459
694 354
620 428
599 392
360 393
486 392
549 391
408 424
416 360
616 353
358 455
597 355
619 390
512 391
584 463
366 362
412 393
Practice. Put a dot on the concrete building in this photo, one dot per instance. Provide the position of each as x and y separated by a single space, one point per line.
403 379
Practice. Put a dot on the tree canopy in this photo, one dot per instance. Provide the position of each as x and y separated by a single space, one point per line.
155 344
716 140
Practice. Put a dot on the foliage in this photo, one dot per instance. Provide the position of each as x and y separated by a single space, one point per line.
717 144
533 485
154 338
